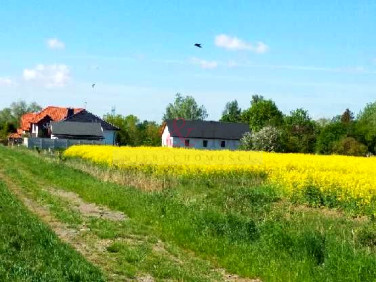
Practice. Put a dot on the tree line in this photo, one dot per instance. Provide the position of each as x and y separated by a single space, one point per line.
296 132
270 129
10 117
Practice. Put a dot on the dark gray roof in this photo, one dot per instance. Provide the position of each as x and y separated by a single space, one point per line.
206 129
85 116
77 130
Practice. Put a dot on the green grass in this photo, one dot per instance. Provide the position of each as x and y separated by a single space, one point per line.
29 251
135 254
253 231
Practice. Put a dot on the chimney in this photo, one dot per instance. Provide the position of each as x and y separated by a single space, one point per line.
70 112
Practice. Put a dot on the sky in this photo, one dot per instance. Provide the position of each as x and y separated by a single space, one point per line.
316 55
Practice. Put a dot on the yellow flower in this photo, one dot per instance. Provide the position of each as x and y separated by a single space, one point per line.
348 177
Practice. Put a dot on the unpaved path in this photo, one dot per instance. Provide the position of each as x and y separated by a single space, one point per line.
88 209
73 236
92 247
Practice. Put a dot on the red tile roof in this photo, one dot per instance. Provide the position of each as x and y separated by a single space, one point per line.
55 113
26 121
14 135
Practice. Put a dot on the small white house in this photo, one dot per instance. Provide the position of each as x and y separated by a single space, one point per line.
203 134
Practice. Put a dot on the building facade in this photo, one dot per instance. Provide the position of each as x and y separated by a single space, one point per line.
210 135
38 125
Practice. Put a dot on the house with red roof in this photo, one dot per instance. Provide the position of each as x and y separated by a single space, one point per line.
70 123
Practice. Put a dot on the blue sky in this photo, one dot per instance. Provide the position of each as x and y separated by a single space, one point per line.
312 54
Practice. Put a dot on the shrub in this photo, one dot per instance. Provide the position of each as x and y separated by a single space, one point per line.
246 141
350 147
269 139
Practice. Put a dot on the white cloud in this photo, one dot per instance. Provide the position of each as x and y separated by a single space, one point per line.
205 64
6 81
54 43
234 43
48 75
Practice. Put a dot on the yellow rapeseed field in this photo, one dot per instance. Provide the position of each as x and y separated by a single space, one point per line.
347 177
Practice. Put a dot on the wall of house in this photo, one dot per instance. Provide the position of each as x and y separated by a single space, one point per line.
109 137
198 143
166 138
34 130
212 144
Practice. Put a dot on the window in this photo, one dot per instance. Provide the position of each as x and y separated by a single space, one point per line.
205 143
223 144
186 142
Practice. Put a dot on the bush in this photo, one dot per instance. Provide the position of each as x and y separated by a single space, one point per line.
269 139
246 141
350 147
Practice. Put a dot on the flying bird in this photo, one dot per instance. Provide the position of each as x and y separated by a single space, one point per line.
198 45
93 85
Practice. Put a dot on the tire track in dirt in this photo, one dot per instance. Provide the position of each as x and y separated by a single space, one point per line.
92 251
88 244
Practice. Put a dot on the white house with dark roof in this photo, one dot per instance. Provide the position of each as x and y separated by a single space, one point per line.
200 134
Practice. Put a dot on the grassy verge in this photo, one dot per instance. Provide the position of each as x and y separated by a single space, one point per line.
251 230
29 251
123 249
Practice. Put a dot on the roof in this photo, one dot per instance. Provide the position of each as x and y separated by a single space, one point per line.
55 113
85 116
17 134
14 135
78 130
206 129
26 121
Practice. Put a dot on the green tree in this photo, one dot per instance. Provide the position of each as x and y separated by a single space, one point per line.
262 113
150 133
329 136
10 116
186 108
322 122
257 98
300 132
13 113
127 134
6 116
20 108
366 126
232 112
133 132
347 116
5 129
